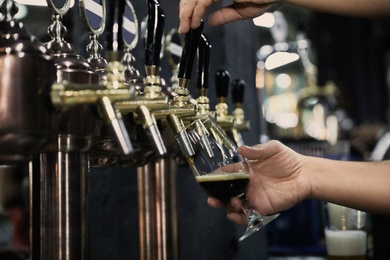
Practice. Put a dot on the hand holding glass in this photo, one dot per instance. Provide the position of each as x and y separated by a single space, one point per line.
218 168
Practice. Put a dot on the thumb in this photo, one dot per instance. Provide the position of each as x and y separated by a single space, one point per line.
251 153
260 151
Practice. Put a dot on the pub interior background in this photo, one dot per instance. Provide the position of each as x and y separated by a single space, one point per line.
353 53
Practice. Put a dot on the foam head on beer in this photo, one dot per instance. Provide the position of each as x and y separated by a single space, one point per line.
345 235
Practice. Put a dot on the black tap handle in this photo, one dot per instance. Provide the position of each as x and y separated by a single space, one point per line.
238 90
203 63
222 81
191 41
155 32
115 9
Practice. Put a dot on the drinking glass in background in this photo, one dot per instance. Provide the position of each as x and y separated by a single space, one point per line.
218 168
345 232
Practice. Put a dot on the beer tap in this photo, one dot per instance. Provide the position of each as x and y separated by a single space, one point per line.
174 49
240 124
191 42
130 39
222 82
155 22
157 179
203 102
112 75
149 97
180 100
94 19
60 176
27 125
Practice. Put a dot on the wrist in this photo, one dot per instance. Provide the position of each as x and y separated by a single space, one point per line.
304 180
311 175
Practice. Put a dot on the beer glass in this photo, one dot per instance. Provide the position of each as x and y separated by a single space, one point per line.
219 170
345 232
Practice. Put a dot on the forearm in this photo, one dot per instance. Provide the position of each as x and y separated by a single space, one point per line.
361 185
363 8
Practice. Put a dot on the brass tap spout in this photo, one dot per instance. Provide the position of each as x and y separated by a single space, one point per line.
64 95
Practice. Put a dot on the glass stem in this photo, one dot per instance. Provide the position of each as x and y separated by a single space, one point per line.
249 212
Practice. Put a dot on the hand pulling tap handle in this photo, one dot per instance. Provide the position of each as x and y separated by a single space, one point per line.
191 41
203 65
222 80
155 32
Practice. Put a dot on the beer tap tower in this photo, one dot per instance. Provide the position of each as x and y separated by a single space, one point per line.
58 116
155 159
157 198
59 177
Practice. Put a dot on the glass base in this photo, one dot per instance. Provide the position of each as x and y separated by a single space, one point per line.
256 223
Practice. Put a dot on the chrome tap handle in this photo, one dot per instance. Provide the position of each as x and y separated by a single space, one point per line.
203 65
191 42
155 32
94 17
114 119
8 10
148 122
222 81
130 39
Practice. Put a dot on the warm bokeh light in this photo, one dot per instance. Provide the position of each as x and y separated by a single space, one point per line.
266 20
279 59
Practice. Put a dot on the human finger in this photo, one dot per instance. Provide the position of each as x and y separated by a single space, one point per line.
223 16
239 10
199 11
234 205
214 203
191 13
251 153
186 9
260 151
238 218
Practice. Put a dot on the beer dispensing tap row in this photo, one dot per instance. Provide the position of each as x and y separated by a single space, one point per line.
62 114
